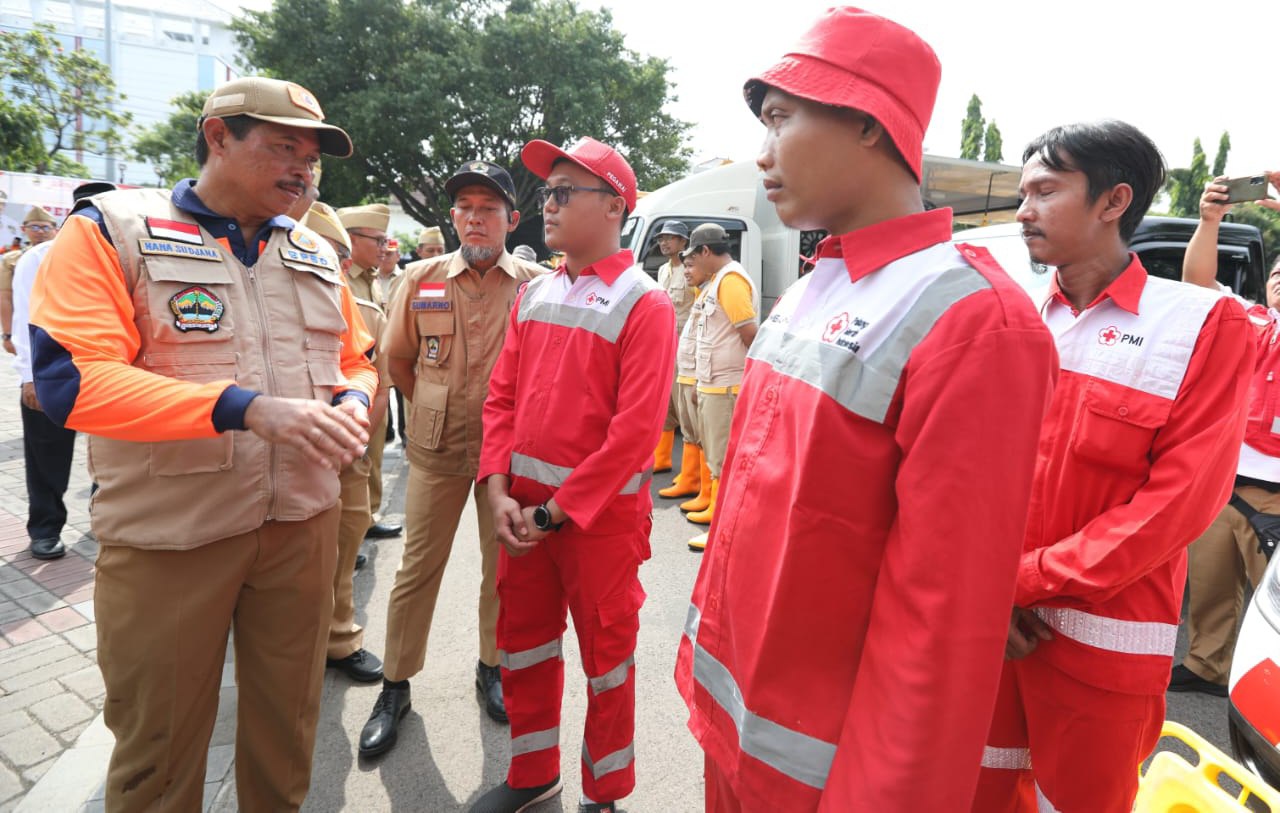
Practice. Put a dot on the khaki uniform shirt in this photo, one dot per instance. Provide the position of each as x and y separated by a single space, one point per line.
8 263
451 321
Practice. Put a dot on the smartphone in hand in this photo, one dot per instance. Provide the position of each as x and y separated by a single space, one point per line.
1246 188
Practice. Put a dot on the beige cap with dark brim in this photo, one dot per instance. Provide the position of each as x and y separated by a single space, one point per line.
278 102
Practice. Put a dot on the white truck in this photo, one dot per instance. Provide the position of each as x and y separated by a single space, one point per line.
732 196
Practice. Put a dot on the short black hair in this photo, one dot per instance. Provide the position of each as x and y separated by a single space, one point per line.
238 126
1109 153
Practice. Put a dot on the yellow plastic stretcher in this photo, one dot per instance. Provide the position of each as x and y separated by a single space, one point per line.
1173 785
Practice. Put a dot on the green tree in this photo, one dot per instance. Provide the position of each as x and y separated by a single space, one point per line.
971 130
1220 160
69 93
20 145
993 144
425 85
170 144
1186 185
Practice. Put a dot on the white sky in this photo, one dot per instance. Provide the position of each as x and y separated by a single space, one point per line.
1176 70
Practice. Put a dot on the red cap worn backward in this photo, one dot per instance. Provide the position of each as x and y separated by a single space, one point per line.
599 159
853 58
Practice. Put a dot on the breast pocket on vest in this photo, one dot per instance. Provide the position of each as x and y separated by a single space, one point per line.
202 455
1116 429
319 301
436 338
185 302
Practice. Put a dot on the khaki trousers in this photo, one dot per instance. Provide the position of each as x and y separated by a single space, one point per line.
1217 565
345 635
377 442
715 415
686 396
673 409
163 618
433 507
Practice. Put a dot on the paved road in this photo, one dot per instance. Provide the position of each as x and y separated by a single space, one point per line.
53 746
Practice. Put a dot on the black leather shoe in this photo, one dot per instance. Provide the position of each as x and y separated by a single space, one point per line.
383 530
361 666
597 807
489 682
506 799
48 548
361 561
1184 680
379 733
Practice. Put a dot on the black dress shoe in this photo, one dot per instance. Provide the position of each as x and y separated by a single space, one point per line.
489 682
379 733
383 530
1183 679
361 561
48 548
361 666
597 807
506 799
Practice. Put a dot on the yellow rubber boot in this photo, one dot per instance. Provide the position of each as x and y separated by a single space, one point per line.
699 543
662 454
688 481
700 502
704 517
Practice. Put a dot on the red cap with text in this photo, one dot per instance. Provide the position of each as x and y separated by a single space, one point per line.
599 159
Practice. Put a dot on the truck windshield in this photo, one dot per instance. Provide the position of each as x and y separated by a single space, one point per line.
629 232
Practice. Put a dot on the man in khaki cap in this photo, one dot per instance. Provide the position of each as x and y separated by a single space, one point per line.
39 227
346 650
430 243
207 344
444 332
367 226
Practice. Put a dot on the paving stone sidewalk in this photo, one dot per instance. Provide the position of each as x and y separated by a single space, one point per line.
50 687
54 746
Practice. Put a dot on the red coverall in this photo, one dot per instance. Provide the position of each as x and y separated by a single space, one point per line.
1137 457
843 649
576 404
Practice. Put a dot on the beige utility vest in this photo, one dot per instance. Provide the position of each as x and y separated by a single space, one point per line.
202 316
671 278
687 353
719 353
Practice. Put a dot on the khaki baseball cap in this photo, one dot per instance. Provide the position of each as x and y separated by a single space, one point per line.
708 234
278 102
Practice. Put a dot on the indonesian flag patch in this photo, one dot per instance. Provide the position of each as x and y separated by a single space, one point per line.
174 230
431 289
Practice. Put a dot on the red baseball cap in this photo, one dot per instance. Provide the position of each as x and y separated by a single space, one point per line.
599 159
853 58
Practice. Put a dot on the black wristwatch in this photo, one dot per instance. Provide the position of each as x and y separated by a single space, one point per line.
542 519
6 336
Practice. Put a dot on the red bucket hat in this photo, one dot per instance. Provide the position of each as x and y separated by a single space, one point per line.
853 58
599 159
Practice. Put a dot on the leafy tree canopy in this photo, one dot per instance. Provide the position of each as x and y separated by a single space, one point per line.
425 85
170 145
68 94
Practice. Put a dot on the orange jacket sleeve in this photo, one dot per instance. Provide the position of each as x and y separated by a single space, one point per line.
357 346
